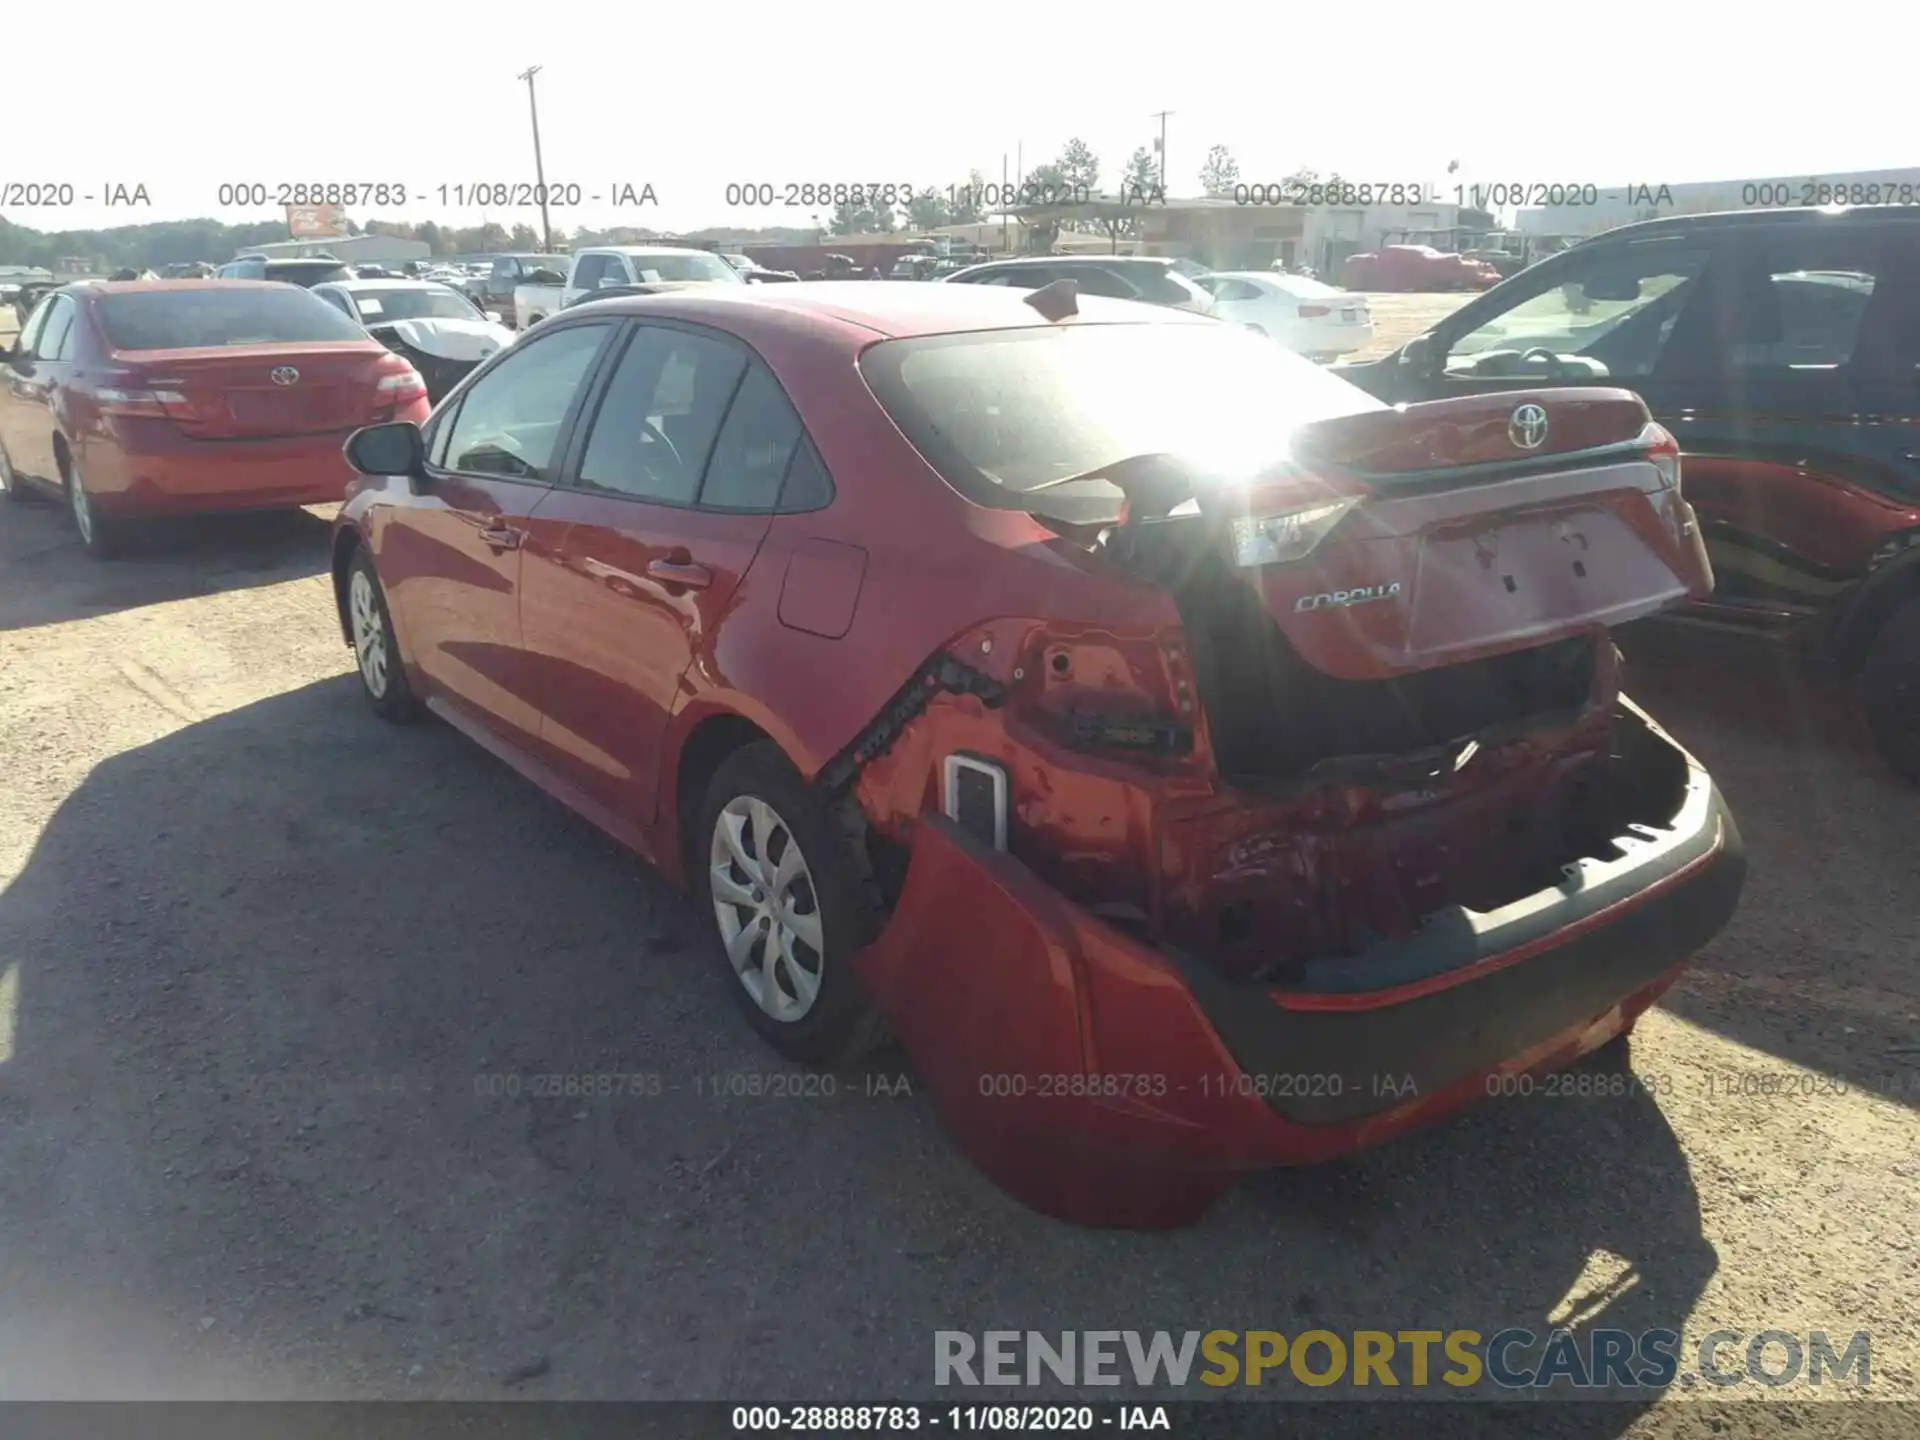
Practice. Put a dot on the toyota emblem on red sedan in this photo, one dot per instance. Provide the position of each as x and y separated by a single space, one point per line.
284 375
1527 427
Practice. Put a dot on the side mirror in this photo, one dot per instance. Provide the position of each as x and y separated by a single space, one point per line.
1417 353
496 317
393 449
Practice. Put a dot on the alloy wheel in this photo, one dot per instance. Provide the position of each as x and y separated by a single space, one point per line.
369 633
766 907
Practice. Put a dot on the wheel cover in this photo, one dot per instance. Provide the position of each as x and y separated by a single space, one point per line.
369 634
82 507
766 907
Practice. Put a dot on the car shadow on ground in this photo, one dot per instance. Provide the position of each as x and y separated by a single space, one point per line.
46 578
1817 966
340 1062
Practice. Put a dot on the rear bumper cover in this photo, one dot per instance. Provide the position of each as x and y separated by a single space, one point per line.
1107 1082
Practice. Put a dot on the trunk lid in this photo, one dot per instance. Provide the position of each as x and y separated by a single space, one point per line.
1459 529
232 393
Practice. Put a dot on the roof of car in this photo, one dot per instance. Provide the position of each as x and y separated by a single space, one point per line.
645 250
1730 219
422 282
880 308
125 287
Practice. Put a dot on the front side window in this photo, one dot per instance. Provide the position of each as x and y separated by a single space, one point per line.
661 414
36 322
510 418
1609 316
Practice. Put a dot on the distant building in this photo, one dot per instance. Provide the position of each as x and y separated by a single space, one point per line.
355 249
1607 207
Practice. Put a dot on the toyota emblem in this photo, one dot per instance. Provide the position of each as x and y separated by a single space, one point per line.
287 375
1527 427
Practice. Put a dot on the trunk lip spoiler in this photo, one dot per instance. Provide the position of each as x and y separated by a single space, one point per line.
1486 470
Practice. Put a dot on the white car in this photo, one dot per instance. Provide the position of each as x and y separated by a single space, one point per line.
438 328
1309 317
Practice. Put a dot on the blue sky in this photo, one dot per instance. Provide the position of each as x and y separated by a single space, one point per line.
424 95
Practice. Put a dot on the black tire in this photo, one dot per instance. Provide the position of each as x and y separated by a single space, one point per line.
14 487
392 698
1890 687
842 1023
103 539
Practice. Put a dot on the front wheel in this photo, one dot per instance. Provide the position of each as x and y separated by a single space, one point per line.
376 653
1890 688
790 904
10 482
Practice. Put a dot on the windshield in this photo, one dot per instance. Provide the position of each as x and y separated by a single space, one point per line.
695 265
426 303
305 272
1001 412
218 316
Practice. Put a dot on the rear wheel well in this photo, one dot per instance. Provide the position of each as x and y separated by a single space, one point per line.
712 741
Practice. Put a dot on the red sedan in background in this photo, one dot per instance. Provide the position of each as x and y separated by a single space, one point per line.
1413 269
188 396
1198 764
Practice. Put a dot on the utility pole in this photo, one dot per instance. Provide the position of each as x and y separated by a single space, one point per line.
1161 116
539 168
1004 202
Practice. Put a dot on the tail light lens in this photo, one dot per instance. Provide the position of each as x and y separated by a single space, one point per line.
1314 312
139 402
1287 536
1664 453
399 382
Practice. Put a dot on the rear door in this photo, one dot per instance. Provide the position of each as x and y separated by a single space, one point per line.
451 558
633 565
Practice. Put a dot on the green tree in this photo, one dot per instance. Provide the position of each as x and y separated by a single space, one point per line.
1220 173
929 210
1142 174
967 209
1079 166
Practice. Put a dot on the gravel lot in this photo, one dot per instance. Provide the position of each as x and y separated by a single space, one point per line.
259 956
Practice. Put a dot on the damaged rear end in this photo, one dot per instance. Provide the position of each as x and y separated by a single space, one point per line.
1311 805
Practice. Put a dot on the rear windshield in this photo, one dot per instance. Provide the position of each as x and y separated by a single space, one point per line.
306 272
216 316
1000 412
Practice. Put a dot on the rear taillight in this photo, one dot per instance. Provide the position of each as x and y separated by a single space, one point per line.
399 382
139 402
1313 312
1289 535
1663 451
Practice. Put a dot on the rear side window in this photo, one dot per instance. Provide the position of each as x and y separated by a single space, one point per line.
201 319
1094 280
661 414
52 344
750 457
1162 287
1224 289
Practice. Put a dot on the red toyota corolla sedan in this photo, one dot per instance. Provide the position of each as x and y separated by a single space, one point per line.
186 396
1197 764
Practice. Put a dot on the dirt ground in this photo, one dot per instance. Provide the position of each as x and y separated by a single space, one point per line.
265 965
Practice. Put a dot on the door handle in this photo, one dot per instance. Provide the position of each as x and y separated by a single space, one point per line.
680 572
499 536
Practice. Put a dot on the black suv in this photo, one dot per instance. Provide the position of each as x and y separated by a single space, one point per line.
1153 279
1782 349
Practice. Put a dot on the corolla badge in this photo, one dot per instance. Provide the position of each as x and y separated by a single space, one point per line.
284 375
1340 599
1527 427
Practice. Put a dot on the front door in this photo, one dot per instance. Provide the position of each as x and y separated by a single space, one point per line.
451 557
635 563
